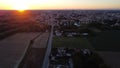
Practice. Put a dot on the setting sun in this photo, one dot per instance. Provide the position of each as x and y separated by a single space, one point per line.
20 5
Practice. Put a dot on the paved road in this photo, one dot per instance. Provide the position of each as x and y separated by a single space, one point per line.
46 59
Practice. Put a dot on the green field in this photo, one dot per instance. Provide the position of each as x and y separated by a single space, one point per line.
71 42
106 41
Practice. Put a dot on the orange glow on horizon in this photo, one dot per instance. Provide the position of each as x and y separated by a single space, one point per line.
58 4
20 7
21 11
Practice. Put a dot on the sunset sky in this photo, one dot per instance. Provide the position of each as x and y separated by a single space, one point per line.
58 4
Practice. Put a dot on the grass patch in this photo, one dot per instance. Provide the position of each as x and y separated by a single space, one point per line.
71 42
106 41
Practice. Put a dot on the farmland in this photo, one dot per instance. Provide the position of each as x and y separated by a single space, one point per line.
14 47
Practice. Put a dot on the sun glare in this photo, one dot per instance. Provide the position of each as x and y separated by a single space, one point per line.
20 6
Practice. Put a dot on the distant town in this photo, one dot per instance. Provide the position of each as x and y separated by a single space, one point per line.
60 39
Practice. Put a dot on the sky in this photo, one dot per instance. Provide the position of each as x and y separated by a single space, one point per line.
58 4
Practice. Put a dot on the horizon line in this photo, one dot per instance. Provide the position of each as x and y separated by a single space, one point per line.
56 9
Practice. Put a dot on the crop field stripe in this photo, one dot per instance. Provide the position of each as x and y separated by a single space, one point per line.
27 49
38 43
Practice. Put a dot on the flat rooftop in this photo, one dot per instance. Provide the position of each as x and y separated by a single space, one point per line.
13 47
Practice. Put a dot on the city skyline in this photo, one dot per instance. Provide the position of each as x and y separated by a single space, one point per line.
58 4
